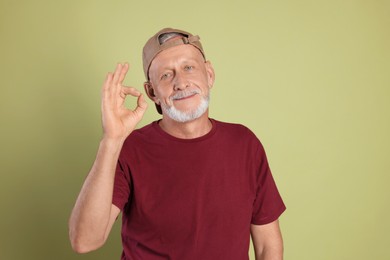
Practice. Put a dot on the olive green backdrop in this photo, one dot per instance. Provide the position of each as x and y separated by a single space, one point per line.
310 78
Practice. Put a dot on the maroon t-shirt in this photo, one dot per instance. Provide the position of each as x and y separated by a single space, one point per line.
193 198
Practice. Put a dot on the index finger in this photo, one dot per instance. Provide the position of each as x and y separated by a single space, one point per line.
130 91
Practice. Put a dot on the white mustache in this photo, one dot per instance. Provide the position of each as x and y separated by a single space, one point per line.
184 94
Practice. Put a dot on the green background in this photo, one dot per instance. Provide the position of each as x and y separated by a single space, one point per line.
310 78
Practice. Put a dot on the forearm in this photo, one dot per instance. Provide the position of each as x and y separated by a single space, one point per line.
267 241
271 253
91 213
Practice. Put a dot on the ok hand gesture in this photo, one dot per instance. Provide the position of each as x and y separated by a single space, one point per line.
119 121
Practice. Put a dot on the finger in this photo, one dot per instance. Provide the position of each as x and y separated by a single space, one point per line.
107 81
116 74
122 75
130 91
142 102
123 72
141 106
106 90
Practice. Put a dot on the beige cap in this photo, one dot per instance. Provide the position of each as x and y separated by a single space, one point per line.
153 46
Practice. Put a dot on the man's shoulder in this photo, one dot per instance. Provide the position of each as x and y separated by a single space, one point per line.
233 127
236 131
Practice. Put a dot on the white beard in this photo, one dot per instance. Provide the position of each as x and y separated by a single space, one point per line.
186 116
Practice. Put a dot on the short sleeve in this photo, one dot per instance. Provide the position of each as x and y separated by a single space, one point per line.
268 204
122 185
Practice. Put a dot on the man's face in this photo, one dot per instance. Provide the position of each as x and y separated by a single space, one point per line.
180 80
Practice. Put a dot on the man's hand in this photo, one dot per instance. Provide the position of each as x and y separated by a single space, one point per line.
94 214
119 121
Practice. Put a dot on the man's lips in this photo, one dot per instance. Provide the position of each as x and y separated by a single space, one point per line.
183 98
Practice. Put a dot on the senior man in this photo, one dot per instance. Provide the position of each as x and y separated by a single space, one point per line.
188 186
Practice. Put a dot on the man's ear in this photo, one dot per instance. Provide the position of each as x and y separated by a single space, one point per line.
150 91
210 74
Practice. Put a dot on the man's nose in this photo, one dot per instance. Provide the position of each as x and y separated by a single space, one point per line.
180 82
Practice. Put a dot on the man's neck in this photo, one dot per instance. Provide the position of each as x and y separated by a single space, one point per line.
187 130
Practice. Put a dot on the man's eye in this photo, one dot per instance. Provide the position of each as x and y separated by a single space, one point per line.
164 76
188 67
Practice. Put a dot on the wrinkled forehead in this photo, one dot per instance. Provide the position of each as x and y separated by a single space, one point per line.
176 55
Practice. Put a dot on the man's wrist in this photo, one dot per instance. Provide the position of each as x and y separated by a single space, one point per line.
112 143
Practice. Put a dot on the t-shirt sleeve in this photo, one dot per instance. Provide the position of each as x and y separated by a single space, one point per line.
268 204
122 185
